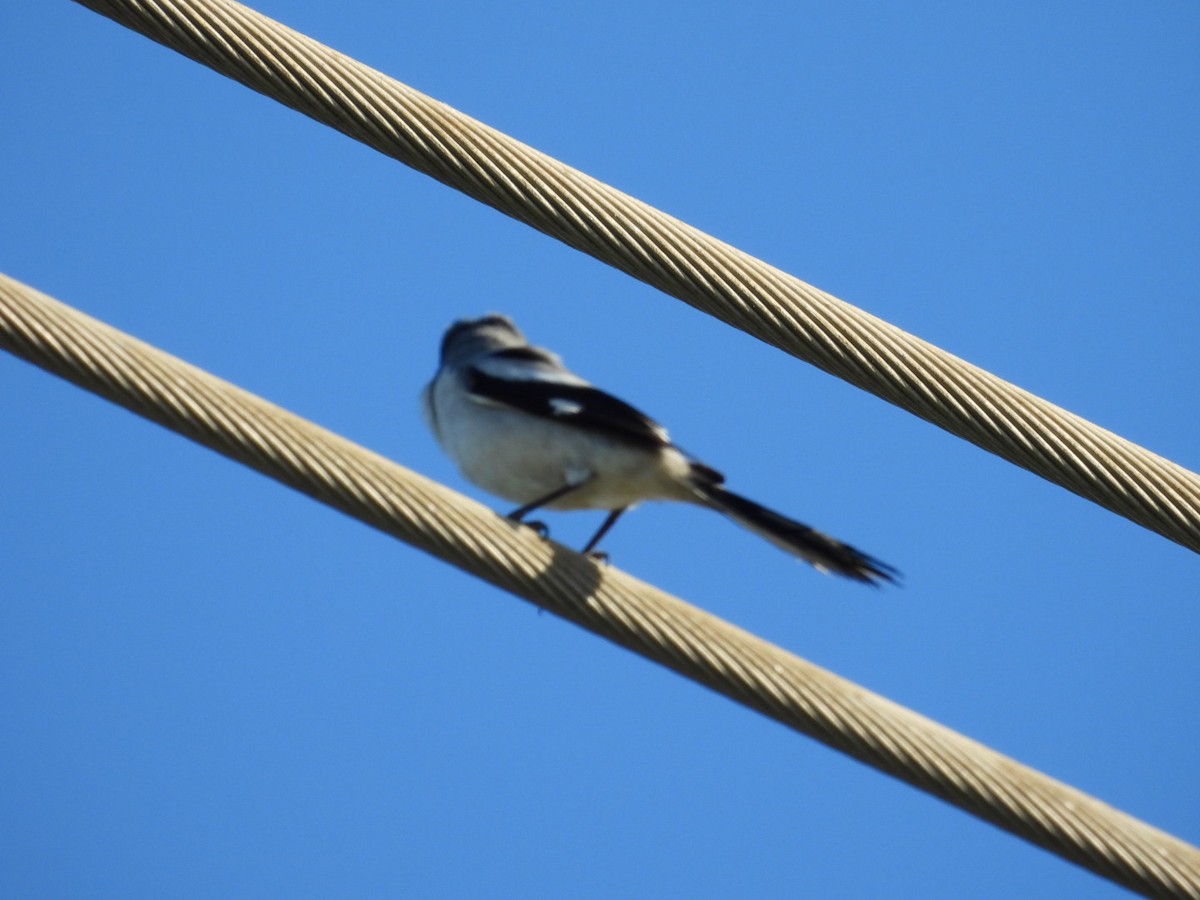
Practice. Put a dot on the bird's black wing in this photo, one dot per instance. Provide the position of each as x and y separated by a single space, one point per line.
579 405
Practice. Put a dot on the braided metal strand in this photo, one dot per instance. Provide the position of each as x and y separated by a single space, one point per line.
609 603
679 260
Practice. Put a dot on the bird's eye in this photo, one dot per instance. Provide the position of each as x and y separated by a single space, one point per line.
453 333
467 326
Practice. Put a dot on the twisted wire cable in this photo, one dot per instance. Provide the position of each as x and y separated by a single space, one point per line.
606 601
673 257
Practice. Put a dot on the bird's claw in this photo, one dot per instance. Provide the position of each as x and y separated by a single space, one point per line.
599 556
539 527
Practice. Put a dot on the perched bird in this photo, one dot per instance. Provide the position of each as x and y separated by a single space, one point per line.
520 425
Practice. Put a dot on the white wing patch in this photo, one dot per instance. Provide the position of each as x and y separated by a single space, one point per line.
563 407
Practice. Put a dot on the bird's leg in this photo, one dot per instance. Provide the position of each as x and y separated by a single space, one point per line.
517 515
608 523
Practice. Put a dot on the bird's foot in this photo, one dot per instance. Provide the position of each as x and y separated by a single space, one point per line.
542 530
598 555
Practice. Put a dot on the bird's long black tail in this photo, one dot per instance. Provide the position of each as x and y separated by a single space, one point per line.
822 551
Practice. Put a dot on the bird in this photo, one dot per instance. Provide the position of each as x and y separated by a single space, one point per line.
519 424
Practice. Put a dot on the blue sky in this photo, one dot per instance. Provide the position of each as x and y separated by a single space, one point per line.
213 686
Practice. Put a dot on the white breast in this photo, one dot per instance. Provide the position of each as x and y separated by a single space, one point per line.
522 457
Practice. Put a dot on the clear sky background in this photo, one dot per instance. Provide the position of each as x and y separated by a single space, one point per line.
213 686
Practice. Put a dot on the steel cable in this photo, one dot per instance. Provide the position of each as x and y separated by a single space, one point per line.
674 257
606 601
